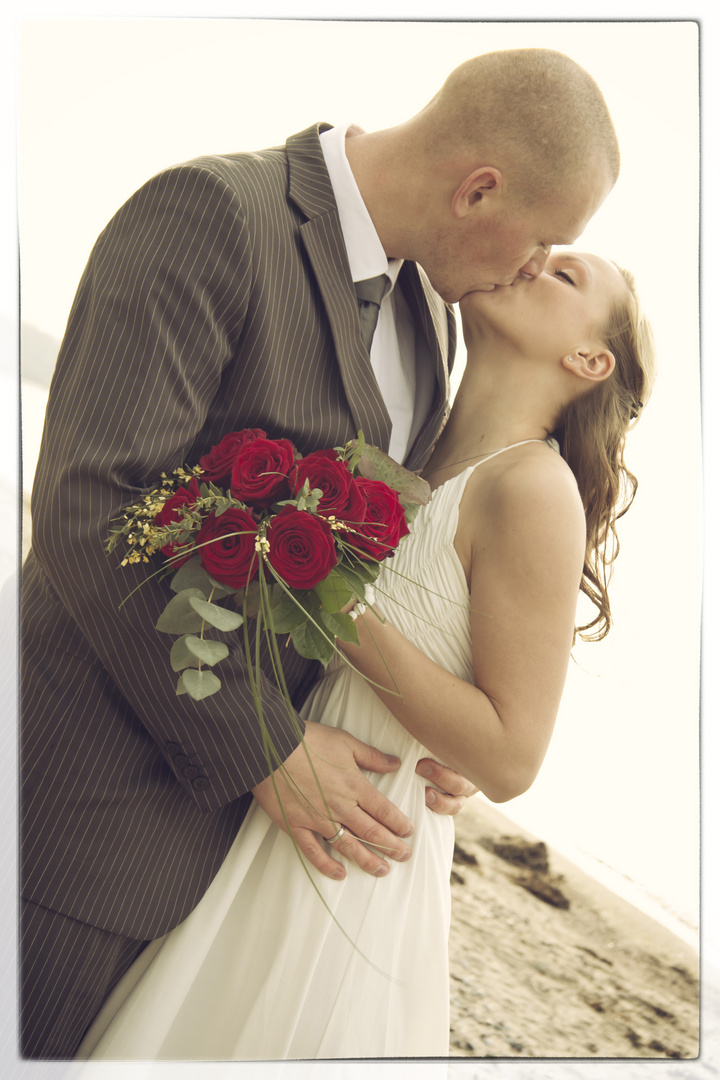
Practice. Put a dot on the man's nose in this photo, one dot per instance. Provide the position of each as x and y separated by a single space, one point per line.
536 264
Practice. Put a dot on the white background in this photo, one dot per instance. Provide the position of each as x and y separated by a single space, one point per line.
104 105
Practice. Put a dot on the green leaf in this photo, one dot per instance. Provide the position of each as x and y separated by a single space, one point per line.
207 651
287 615
312 643
250 598
198 684
411 511
188 650
375 464
360 573
191 575
358 447
334 593
220 618
179 617
340 626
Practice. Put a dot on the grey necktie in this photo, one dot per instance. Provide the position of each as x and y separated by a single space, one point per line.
370 293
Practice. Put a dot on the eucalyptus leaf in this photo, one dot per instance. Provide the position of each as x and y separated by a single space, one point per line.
181 657
220 618
198 684
192 575
179 617
189 649
207 651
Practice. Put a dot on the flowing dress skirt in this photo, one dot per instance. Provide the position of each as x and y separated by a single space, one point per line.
278 962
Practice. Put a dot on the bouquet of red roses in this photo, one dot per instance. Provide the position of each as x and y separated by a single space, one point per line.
293 539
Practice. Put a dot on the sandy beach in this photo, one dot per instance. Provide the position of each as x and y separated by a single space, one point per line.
567 970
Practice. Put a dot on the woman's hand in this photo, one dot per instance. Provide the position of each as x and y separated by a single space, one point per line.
454 791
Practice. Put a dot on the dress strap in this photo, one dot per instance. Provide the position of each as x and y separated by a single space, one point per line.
446 498
502 451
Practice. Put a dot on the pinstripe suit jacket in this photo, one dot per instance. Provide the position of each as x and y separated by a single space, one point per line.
218 297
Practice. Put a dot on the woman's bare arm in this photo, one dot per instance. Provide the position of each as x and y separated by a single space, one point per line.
522 539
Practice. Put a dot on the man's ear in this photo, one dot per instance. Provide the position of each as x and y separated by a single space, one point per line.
480 183
592 365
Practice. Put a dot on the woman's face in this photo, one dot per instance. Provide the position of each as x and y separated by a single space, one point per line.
559 312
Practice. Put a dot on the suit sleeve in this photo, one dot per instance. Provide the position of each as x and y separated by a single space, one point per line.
158 315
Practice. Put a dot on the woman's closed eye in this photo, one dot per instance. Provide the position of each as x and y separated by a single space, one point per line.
562 274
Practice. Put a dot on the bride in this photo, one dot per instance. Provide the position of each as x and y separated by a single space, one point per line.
468 643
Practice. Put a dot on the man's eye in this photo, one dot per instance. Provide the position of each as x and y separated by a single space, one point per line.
562 274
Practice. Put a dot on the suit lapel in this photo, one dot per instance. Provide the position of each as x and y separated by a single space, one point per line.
310 189
435 320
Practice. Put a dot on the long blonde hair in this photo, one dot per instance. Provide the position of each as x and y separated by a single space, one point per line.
591 434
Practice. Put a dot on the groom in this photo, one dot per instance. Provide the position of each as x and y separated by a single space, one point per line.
221 296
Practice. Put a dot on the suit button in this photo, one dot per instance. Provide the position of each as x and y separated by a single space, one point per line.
200 783
180 761
190 771
173 748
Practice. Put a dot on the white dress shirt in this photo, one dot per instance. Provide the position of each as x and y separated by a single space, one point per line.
399 356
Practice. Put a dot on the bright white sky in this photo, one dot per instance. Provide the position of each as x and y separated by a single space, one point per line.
104 104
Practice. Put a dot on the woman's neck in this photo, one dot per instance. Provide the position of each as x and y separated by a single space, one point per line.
495 407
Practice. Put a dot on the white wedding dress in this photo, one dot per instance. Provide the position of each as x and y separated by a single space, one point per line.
260 970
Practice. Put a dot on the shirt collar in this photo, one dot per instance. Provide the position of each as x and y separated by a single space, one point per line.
366 255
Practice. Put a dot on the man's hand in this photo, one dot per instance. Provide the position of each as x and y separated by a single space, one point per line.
352 802
455 790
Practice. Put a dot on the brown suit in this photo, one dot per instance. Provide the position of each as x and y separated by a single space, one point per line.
218 297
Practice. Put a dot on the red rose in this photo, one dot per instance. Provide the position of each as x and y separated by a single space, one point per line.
302 549
231 559
260 472
170 514
218 462
341 495
384 525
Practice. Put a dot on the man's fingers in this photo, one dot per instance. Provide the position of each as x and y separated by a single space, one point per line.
385 844
383 813
337 790
346 845
372 759
311 848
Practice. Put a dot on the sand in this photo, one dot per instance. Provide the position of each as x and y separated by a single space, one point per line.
575 972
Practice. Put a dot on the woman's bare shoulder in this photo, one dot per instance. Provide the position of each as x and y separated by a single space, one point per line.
531 489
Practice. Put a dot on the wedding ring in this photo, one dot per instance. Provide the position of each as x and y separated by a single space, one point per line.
337 835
